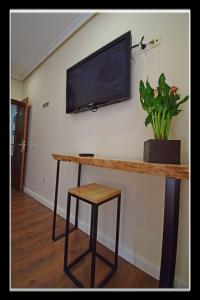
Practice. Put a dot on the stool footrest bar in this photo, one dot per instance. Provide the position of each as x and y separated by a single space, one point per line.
77 259
60 236
76 281
105 260
72 229
106 279
73 278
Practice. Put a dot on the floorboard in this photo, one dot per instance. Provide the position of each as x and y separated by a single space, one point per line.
37 261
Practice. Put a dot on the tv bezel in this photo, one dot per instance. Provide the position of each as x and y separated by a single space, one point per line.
109 100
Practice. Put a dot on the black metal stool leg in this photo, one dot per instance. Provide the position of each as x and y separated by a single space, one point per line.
117 232
91 226
55 201
67 231
94 240
77 199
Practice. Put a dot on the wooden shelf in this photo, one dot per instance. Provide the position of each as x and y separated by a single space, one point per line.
165 170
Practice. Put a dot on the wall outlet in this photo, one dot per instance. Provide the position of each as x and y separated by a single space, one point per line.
44 178
154 42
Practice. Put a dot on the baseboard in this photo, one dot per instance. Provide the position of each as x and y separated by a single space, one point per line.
124 252
60 211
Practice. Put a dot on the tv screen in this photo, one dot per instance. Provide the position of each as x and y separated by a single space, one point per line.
102 78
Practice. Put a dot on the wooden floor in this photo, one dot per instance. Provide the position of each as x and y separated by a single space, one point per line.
37 261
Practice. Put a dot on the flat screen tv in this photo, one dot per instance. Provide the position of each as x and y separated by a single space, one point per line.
101 78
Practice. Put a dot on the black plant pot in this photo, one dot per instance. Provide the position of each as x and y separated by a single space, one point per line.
162 151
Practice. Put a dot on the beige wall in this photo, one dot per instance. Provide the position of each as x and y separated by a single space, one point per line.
116 131
16 89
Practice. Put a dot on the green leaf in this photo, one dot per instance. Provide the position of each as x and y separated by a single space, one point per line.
149 95
149 88
175 113
182 101
144 106
161 80
163 86
176 97
142 89
148 120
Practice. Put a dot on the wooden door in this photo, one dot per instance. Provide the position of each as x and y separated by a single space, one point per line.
19 121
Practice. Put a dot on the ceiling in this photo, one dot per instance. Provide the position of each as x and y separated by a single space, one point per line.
35 35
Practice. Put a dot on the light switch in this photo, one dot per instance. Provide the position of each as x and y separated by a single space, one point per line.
44 178
45 104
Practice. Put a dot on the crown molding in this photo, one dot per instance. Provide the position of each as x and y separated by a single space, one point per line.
78 22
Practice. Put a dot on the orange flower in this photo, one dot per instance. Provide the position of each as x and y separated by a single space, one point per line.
155 93
173 90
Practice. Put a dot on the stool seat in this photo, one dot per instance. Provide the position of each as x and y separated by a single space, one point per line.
94 193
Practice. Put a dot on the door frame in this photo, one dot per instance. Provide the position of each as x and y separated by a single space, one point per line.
23 103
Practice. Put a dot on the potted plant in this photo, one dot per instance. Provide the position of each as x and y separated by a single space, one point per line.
161 104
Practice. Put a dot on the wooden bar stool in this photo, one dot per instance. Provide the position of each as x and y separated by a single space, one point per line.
96 195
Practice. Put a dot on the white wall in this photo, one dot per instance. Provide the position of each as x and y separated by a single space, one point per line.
16 89
116 131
